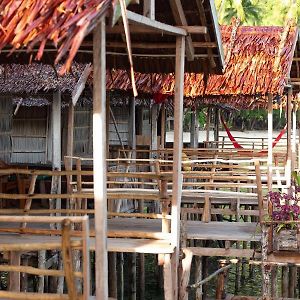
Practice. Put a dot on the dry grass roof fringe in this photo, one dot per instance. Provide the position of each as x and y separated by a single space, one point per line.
65 23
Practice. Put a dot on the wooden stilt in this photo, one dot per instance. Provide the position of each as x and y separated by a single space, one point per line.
133 276
24 276
220 290
14 277
292 281
112 275
285 282
265 268
99 155
141 269
120 272
41 265
198 276
168 288
177 156
274 270
185 275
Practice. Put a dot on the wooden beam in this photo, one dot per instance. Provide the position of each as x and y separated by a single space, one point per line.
152 45
180 19
177 173
99 155
154 25
206 36
217 31
80 85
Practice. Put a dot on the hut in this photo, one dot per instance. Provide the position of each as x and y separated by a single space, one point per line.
163 35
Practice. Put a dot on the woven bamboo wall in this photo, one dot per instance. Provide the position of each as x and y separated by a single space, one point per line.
29 135
6 110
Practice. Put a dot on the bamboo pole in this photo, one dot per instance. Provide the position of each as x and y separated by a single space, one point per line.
208 124
99 154
67 259
270 140
294 137
14 277
289 137
177 177
193 129
285 282
56 141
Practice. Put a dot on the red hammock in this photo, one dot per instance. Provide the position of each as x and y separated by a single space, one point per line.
236 145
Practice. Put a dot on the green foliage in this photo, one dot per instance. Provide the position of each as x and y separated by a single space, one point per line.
256 119
258 12
202 118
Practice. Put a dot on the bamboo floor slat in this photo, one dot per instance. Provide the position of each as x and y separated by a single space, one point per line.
230 231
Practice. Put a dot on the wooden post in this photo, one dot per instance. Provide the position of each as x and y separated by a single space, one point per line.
41 265
294 137
154 146
265 268
220 290
177 156
216 126
99 155
292 281
112 274
285 282
131 131
56 140
163 127
70 131
67 258
132 145
270 140
107 123
149 9
194 130
288 167
14 277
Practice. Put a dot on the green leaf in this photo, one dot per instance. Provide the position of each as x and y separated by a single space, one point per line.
117 11
279 227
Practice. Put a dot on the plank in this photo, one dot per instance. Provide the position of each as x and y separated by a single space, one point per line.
230 231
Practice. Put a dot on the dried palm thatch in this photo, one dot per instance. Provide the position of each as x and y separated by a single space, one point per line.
258 62
65 23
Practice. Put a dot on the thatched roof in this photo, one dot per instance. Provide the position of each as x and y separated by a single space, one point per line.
65 23
59 30
258 62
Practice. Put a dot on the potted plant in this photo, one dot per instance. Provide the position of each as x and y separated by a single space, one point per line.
285 213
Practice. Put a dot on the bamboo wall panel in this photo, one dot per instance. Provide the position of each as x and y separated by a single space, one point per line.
5 128
122 116
82 130
29 135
